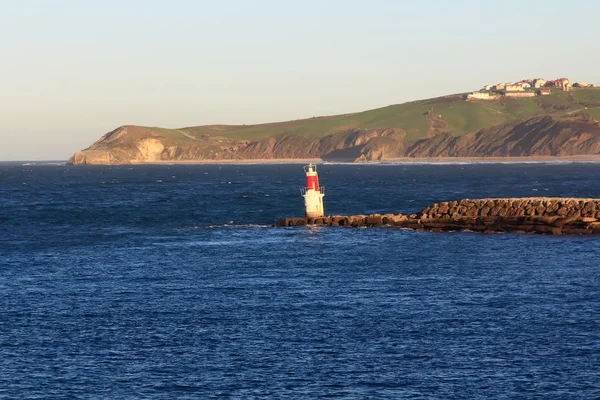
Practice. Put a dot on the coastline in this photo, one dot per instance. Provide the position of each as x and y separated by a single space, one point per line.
402 160
242 161
496 160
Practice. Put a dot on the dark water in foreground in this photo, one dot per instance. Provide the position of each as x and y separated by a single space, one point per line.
169 281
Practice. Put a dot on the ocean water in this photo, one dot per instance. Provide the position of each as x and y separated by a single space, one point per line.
170 281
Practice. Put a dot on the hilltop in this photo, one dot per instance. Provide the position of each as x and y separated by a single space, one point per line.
561 123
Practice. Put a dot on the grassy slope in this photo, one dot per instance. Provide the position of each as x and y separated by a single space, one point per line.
587 95
460 116
594 113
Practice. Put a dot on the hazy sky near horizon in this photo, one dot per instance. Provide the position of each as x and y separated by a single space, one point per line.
71 71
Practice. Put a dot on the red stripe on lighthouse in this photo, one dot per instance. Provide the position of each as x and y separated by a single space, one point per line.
312 182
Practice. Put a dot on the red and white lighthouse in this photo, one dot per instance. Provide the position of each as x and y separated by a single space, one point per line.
312 193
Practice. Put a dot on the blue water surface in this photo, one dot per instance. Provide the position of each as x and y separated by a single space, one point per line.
170 281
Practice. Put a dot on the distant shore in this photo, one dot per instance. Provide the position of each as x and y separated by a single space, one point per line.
445 160
403 160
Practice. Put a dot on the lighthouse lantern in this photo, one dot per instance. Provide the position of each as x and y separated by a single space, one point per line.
313 193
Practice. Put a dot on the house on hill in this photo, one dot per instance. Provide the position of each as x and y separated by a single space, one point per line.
581 84
514 87
525 83
481 96
521 93
539 83
544 91
517 90
561 83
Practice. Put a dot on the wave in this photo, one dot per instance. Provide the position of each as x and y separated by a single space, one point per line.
44 163
229 226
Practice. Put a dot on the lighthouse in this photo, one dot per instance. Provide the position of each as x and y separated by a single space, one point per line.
312 193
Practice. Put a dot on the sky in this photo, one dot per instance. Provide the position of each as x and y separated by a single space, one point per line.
71 71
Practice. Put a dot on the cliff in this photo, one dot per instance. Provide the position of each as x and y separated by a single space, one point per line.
137 145
538 136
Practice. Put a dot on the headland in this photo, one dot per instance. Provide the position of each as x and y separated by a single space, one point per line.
518 120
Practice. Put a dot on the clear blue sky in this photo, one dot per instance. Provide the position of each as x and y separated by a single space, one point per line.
71 71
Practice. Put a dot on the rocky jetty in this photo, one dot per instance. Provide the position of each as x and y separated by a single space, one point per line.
518 215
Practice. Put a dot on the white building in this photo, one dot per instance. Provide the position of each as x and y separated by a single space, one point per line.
539 83
481 96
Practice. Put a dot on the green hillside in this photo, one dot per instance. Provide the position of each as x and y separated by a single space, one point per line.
594 113
417 119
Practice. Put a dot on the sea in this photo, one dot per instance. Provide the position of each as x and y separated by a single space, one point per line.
171 281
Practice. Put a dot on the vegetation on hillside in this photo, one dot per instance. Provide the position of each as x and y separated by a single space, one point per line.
417 118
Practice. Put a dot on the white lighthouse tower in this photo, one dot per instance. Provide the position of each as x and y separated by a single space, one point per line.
312 193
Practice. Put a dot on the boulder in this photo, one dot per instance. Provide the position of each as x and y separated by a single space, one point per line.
374 220
562 211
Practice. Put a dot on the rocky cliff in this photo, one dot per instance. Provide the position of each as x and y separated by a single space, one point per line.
138 145
135 145
538 136
349 145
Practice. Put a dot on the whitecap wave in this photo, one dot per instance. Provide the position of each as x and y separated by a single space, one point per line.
228 225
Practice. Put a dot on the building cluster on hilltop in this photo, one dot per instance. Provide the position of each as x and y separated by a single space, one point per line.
524 88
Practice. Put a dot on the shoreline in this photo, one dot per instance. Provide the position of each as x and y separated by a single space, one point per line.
401 160
495 160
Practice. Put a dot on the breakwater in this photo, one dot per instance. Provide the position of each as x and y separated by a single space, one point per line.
519 215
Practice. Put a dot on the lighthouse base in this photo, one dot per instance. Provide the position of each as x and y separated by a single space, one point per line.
313 204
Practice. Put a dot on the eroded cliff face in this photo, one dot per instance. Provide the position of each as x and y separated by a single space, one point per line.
139 145
349 145
538 136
